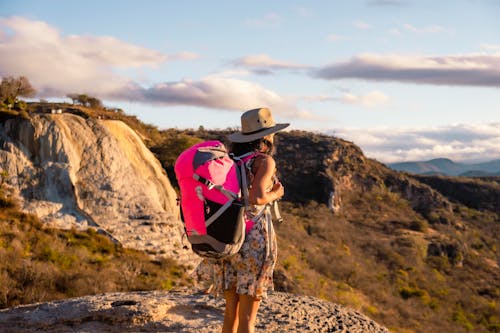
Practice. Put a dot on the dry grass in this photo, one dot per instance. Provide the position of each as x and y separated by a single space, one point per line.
39 264
371 258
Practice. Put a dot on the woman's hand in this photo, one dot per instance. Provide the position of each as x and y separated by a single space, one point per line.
278 190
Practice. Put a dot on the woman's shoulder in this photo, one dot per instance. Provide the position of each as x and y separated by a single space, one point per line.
264 161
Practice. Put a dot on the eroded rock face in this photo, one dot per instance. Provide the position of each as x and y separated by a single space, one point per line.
315 166
180 311
77 172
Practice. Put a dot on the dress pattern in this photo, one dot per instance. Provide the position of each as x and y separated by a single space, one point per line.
250 271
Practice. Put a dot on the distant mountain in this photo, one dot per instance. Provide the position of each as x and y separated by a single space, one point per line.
444 166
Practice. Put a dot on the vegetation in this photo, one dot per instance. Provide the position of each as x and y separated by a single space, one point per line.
169 148
11 88
41 264
377 263
477 193
86 100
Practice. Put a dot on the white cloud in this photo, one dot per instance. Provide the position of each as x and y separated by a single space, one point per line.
317 98
490 47
231 73
184 55
459 142
468 69
264 64
371 99
57 64
310 115
108 50
368 100
212 92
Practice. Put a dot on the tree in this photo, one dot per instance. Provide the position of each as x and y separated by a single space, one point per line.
73 97
85 100
94 102
11 88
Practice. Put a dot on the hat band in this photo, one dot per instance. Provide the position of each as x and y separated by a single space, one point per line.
257 131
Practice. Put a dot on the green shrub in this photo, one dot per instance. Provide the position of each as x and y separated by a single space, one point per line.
407 292
460 317
39 264
20 105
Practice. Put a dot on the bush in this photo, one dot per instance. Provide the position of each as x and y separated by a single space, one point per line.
39 264
460 317
407 292
20 105
168 151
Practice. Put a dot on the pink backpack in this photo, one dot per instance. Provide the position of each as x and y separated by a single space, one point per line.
211 184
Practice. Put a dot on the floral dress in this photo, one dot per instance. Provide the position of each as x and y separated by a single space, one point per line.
250 271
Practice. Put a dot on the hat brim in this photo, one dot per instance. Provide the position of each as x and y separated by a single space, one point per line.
241 137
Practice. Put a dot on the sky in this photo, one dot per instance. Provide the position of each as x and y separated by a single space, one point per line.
405 80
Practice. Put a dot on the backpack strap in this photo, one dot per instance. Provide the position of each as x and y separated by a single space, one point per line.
220 188
242 161
218 213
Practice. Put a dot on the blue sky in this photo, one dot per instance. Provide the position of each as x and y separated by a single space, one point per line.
405 80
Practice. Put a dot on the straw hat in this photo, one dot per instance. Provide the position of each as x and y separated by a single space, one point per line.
256 124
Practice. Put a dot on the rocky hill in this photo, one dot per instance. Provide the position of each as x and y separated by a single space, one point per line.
476 193
444 166
74 171
314 166
405 251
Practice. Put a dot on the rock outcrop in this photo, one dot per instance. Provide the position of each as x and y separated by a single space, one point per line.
74 172
316 166
180 311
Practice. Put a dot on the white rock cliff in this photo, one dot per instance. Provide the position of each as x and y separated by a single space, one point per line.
77 172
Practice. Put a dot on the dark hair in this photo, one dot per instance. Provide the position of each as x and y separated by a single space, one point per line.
240 148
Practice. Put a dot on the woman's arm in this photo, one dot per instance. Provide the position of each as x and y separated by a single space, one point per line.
262 180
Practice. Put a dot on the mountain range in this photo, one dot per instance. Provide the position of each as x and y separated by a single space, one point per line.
447 167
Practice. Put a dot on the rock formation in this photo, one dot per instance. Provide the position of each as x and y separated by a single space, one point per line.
74 172
180 311
316 165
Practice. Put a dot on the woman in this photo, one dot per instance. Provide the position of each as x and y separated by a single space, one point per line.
245 277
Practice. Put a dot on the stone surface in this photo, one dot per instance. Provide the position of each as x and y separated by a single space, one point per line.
180 311
74 172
